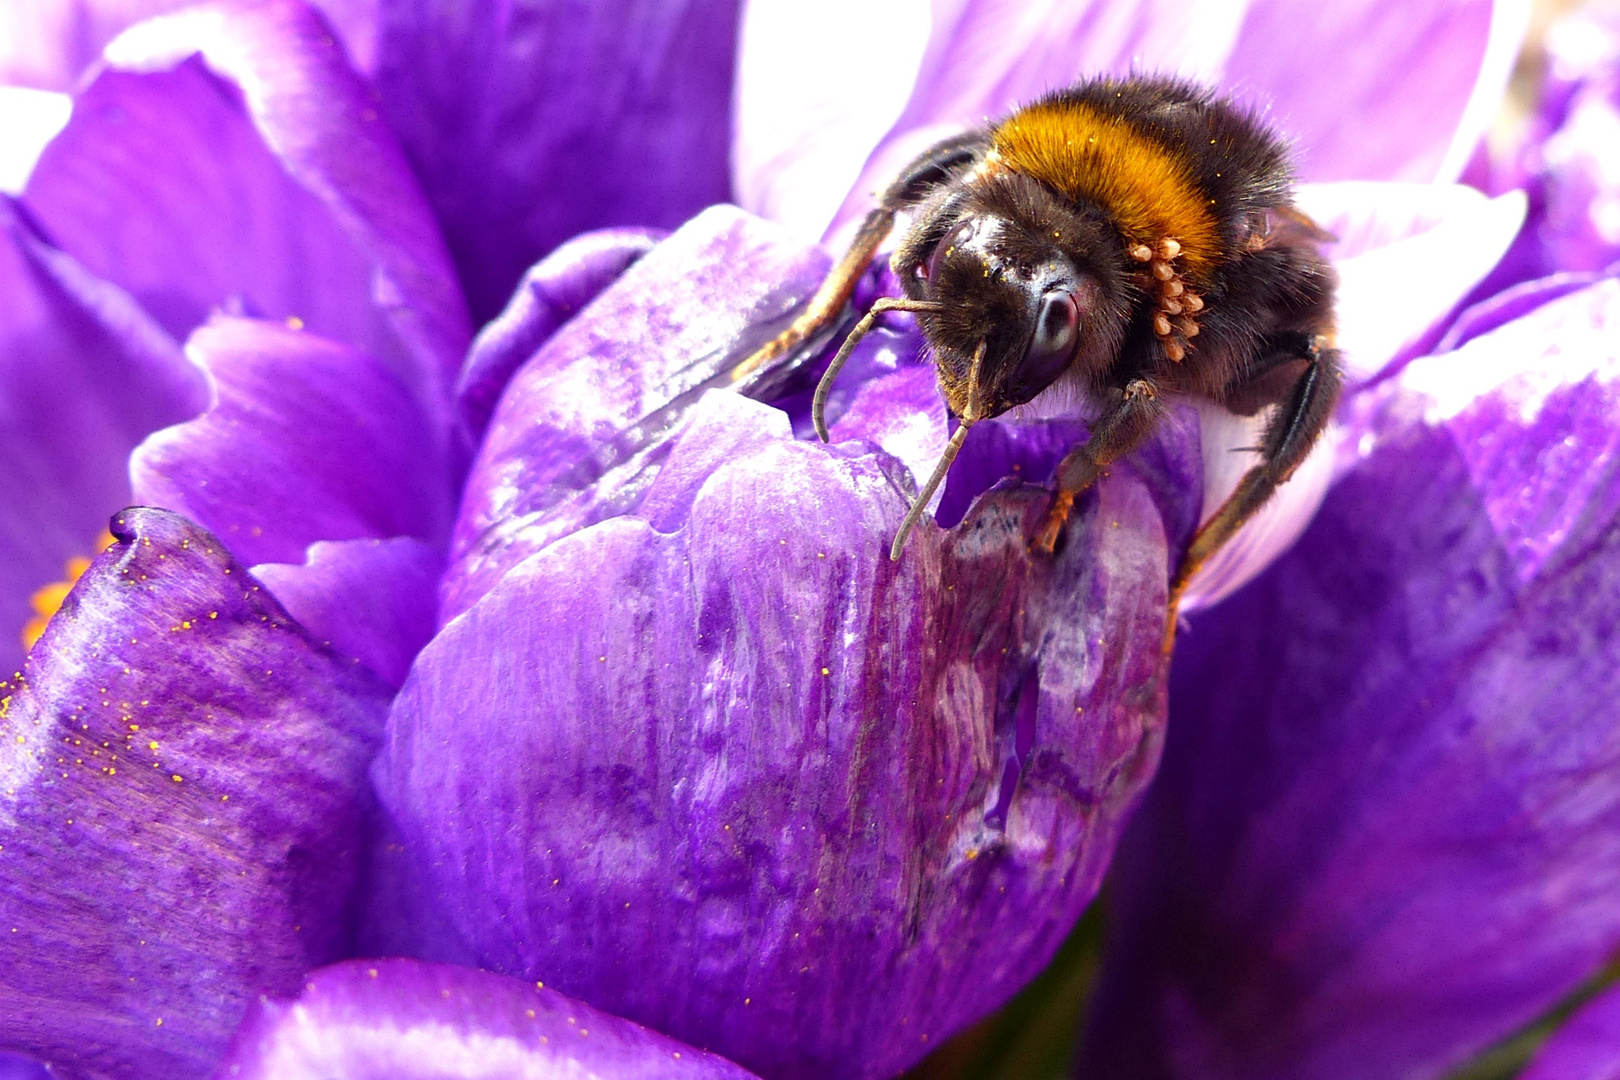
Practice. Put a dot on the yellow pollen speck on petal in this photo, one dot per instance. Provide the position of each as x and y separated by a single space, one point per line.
529 1013
151 746
176 778
294 323
159 1022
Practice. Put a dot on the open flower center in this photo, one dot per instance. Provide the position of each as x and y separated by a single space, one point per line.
48 600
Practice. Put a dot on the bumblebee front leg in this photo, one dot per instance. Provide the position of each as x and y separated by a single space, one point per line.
1289 438
934 167
1120 429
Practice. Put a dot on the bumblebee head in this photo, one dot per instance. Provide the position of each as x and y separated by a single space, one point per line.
1036 305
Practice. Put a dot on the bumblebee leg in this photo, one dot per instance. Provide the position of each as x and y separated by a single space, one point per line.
1290 436
1125 424
935 166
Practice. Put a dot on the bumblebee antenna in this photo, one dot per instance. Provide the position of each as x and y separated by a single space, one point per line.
970 416
818 407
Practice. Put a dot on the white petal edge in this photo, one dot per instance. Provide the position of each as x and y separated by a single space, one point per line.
817 86
1391 295
29 120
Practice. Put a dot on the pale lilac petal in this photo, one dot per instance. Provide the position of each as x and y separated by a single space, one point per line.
49 43
306 440
1408 254
1387 830
531 123
1515 302
1225 441
552 292
229 159
406 1020
545 441
85 375
182 805
373 600
1585 1047
813 99
1374 90
986 57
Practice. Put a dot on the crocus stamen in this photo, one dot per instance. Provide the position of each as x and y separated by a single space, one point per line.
48 600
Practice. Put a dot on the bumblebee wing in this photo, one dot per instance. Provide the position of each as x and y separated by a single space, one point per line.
1292 223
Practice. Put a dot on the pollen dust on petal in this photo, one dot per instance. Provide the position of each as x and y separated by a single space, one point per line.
47 601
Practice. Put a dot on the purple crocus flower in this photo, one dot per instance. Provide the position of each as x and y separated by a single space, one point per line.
683 745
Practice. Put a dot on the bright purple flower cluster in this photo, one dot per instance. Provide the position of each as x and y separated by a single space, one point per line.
550 652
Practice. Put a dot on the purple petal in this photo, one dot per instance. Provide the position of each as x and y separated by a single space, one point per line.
725 272
1426 77
231 160
1388 824
183 776
84 376
306 440
374 600
550 294
1585 1047
531 123
696 751
13 1067
48 43
405 1020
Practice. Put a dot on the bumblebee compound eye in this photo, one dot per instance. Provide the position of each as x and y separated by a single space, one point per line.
1057 330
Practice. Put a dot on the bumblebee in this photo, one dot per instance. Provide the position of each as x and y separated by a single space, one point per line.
1120 241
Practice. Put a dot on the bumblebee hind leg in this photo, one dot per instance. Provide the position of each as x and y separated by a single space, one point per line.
938 165
1288 439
